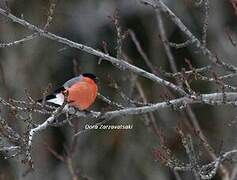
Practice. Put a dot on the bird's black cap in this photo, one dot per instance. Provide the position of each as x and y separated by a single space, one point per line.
91 76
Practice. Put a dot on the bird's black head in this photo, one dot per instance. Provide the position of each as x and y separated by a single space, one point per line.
91 76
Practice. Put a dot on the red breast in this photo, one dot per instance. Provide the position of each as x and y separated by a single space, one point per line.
82 94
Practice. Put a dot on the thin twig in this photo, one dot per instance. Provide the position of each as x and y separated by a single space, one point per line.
116 62
141 51
205 23
189 110
163 8
17 42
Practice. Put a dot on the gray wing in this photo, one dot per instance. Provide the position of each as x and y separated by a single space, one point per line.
72 81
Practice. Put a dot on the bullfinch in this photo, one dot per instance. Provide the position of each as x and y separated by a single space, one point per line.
79 92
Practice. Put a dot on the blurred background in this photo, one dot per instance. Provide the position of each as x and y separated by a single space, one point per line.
112 154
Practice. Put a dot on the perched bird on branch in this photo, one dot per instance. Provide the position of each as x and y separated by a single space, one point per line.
79 92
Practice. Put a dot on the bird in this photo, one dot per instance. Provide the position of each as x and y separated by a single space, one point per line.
79 92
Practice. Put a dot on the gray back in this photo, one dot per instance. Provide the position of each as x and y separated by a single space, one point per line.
72 81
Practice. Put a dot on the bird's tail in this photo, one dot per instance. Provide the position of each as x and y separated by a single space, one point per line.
56 99
52 96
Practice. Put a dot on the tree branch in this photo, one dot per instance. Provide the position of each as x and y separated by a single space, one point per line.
121 64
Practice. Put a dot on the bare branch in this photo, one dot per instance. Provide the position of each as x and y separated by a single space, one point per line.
165 41
163 8
181 45
141 51
116 62
205 23
52 7
41 127
21 41
108 101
